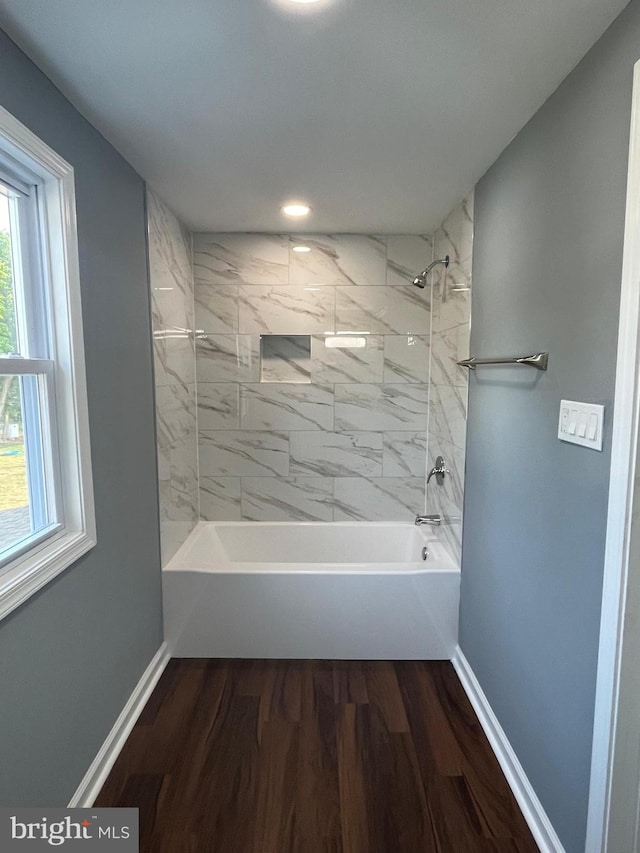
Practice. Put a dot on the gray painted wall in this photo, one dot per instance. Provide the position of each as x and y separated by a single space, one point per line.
547 266
71 655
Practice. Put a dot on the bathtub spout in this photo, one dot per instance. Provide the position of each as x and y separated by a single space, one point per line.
428 519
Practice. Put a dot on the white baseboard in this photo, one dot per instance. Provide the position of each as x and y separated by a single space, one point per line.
101 765
531 807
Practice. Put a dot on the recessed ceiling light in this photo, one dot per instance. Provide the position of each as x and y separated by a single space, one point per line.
296 208
302 249
302 7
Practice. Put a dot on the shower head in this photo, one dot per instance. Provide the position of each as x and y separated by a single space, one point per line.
421 279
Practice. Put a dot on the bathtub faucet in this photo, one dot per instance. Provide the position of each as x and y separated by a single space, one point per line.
428 519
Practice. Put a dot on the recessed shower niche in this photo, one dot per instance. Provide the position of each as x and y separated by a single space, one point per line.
285 358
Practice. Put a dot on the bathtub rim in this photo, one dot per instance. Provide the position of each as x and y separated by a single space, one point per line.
179 563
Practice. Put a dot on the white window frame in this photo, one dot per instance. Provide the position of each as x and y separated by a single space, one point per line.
75 534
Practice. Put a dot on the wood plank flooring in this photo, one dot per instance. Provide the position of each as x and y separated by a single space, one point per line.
314 757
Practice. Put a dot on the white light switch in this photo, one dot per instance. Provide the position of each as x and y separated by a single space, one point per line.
581 423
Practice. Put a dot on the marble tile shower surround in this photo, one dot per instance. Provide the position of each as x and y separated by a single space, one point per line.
172 304
449 383
344 439
351 431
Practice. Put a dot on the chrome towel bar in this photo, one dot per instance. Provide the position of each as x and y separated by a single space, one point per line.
540 361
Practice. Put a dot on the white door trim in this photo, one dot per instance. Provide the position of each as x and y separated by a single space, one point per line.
615 734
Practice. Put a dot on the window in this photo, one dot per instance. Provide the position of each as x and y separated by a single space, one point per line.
46 501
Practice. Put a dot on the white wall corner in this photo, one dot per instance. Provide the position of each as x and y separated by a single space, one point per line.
101 765
530 806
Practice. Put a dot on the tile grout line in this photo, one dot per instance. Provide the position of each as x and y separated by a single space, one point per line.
428 423
195 375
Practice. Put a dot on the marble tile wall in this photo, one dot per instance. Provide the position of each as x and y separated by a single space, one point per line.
172 303
346 437
451 297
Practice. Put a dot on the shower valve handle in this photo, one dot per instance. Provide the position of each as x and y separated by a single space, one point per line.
439 470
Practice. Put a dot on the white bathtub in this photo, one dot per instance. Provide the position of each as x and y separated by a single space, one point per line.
311 590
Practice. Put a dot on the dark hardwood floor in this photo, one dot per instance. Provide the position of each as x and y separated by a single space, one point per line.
314 757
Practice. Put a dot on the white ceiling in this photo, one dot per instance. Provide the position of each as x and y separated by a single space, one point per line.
381 113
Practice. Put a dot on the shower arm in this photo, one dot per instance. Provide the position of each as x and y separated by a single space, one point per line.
421 279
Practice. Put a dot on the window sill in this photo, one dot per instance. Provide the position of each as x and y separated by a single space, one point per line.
33 570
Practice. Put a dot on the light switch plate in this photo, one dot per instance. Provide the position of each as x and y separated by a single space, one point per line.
581 423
